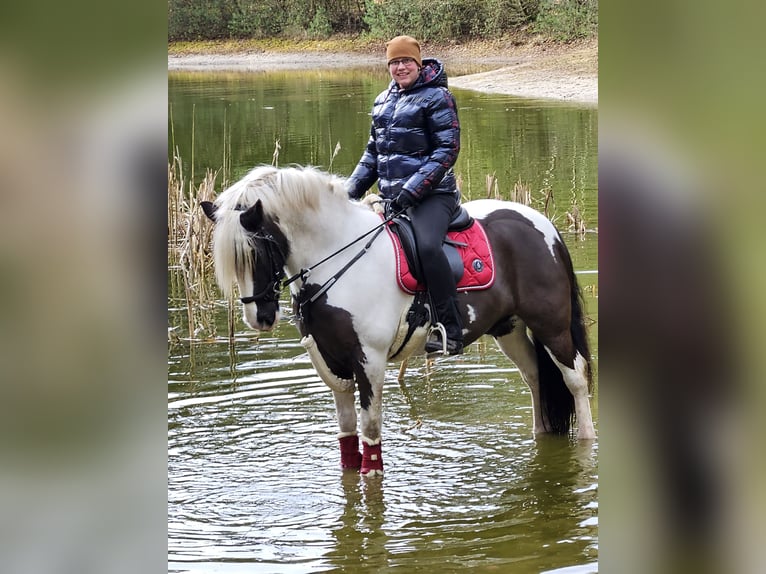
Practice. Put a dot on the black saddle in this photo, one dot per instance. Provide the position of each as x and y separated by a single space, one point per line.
402 227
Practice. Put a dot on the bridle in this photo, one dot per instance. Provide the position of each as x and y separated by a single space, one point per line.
268 251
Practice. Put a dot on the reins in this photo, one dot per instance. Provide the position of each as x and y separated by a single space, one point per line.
276 286
305 273
331 281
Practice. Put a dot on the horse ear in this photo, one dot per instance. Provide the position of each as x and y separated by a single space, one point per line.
252 219
209 208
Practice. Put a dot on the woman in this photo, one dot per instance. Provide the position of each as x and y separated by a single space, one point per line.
414 142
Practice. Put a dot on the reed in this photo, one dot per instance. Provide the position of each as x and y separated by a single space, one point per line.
543 201
335 152
492 186
576 222
189 258
521 193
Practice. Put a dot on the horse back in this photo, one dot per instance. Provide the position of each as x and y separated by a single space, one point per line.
534 276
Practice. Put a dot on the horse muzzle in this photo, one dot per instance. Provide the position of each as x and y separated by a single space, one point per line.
261 316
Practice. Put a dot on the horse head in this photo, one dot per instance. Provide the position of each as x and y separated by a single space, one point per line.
250 250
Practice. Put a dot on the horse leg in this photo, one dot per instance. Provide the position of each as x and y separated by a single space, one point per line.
350 457
370 383
519 349
576 380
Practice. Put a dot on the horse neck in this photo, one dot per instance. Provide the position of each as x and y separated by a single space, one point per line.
317 235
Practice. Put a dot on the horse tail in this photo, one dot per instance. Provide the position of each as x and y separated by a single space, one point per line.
556 402
577 328
578 331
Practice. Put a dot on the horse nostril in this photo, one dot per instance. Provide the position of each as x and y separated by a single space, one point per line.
266 316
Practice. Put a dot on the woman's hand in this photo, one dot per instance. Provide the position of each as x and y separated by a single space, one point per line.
403 201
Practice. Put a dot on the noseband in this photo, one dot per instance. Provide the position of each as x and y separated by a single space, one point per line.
271 253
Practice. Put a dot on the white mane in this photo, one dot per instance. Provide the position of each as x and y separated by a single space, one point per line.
284 192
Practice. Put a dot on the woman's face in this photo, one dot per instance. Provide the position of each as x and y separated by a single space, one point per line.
404 71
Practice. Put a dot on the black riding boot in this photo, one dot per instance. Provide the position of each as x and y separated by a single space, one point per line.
447 314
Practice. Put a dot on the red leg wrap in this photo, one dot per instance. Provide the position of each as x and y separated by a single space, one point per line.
372 459
350 457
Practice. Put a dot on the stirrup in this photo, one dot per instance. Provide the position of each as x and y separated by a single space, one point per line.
439 328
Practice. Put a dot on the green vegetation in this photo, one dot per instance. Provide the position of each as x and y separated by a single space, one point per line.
429 20
442 20
567 21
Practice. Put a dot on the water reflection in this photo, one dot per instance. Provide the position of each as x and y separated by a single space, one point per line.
231 121
359 536
453 520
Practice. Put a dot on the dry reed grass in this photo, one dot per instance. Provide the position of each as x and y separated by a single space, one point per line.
189 256
543 201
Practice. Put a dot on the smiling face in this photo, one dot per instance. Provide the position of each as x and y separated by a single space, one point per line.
404 71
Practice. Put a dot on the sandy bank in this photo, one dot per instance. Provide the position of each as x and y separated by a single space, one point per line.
566 73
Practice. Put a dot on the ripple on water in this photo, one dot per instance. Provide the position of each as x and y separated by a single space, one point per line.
254 483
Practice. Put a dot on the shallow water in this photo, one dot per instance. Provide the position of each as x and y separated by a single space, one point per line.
254 483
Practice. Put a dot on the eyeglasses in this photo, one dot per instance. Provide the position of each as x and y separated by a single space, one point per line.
405 61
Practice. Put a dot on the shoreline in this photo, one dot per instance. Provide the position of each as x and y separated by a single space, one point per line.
563 73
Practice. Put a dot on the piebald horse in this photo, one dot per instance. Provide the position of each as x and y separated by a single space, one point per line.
298 222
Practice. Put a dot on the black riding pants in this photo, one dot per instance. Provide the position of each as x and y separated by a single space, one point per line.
430 219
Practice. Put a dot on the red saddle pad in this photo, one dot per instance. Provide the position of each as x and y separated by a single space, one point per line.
477 261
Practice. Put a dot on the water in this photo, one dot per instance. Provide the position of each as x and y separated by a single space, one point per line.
254 483
235 119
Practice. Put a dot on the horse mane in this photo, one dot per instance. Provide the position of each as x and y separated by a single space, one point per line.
282 192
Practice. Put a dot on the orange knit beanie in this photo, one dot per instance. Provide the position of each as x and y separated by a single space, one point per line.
403 47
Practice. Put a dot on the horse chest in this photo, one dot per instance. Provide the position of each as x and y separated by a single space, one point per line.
331 327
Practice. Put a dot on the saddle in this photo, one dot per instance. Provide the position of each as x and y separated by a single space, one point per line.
466 247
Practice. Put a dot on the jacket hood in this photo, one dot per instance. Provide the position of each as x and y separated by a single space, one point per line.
432 74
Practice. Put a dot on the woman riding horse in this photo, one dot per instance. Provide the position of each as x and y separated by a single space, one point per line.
414 142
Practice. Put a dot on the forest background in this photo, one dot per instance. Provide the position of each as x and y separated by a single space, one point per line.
438 21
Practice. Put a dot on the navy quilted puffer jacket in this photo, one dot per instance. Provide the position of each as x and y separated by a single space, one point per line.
414 139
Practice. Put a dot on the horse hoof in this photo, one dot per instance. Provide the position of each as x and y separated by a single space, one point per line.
372 473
